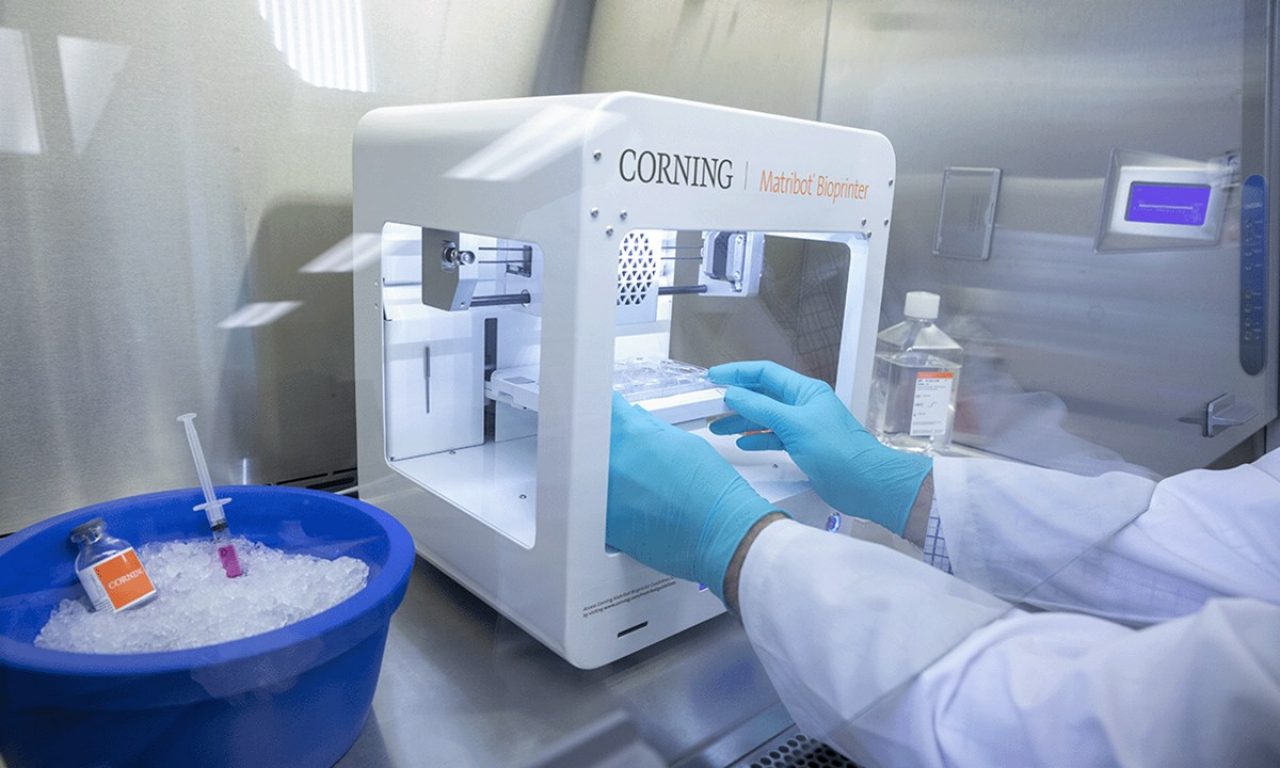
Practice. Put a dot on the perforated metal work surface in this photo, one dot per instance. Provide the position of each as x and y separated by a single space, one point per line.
792 749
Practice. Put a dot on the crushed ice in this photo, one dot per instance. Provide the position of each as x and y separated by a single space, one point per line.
198 605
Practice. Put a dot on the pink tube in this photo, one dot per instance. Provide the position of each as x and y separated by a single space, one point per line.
230 561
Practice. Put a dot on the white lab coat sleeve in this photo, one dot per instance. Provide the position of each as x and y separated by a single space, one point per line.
836 622
1116 545
1059 689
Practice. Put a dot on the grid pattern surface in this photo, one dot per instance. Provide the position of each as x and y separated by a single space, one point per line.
935 544
637 268
793 749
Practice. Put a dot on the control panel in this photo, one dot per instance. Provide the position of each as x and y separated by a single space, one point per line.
1253 274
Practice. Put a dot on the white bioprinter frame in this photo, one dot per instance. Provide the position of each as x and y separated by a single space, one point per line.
574 174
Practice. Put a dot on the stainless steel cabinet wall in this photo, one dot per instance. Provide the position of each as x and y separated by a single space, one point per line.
765 55
1078 358
174 211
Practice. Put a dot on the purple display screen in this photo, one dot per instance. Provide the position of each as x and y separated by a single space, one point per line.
1156 203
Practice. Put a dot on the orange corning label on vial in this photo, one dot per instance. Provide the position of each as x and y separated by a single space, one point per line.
124 579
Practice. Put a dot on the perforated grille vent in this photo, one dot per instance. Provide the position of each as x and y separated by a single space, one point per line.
637 268
795 750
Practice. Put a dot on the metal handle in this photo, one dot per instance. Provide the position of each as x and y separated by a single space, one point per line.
1219 414
1223 413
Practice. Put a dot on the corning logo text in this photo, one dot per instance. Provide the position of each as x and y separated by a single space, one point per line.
648 167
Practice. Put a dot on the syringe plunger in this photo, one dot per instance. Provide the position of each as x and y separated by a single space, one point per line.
212 506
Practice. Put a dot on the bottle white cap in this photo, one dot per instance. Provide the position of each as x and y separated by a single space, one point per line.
922 305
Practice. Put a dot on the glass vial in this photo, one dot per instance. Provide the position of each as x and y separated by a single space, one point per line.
917 370
109 569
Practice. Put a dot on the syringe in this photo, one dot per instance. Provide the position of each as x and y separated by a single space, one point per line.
212 505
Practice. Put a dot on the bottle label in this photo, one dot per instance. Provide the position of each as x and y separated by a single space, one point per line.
931 403
117 582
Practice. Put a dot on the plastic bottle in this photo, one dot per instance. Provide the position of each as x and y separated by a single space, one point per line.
109 569
917 370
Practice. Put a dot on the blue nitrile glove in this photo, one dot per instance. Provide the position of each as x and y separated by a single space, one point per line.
849 468
674 503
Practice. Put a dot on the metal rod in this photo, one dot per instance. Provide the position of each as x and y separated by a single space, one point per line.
679 290
505 261
680 247
682 258
501 299
502 248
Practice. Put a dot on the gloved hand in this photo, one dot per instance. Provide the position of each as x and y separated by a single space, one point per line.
849 468
674 503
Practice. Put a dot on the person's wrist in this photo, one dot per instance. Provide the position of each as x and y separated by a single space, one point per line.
918 517
905 474
733 574
876 483
736 510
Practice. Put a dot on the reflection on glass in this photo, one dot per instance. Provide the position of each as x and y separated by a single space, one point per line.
531 145
258 313
19 123
89 72
322 40
346 255
796 319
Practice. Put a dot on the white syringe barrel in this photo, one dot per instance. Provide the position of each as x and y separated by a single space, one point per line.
212 506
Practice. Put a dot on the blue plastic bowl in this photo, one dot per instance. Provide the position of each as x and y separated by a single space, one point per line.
296 696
